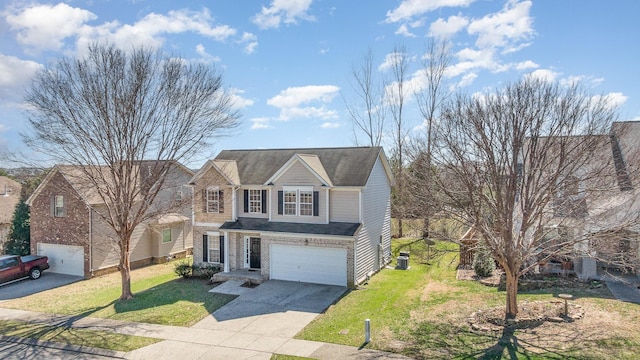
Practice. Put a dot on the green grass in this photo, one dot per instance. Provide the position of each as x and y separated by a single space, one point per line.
422 313
288 357
83 337
160 297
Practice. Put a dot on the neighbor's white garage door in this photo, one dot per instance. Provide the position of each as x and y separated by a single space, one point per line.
309 264
63 259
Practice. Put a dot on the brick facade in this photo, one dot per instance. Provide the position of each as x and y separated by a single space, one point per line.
71 229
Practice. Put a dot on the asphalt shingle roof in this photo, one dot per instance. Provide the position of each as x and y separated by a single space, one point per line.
348 166
262 225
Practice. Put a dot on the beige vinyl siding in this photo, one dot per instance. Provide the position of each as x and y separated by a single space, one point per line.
344 206
141 244
177 243
376 202
299 175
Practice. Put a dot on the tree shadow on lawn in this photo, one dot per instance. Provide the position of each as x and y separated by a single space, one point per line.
438 340
188 290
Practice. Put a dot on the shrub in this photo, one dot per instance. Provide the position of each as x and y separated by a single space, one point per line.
183 269
206 271
483 263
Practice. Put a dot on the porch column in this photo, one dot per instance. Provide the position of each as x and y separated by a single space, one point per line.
226 251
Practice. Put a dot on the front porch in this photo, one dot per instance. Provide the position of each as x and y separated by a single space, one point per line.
252 276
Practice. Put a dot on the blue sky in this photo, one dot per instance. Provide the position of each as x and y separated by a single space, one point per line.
289 61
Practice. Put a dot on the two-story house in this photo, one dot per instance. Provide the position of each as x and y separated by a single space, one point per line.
67 226
318 215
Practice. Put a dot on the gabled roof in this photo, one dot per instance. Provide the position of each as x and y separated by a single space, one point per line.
227 168
347 166
311 162
77 177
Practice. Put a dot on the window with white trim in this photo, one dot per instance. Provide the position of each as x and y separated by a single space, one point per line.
214 248
255 201
290 202
213 200
58 206
306 203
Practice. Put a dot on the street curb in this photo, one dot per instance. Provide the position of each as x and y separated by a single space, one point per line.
67 347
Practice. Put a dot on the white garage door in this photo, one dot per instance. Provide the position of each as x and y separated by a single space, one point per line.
63 259
309 264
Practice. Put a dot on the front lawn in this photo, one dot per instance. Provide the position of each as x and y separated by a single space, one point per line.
423 312
160 297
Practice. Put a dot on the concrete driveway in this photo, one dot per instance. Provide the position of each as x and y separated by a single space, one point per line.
26 287
259 322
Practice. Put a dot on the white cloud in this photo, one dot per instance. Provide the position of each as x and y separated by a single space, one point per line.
412 8
15 75
526 65
249 41
149 30
442 28
403 30
504 28
206 57
467 79
544 74
238 101
614 99
389 61
290 102
44 27
287 11
330 125
260 123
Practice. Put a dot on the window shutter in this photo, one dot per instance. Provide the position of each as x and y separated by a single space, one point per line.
222 249
246 201
204 200
52 204
221 201
316 203
264 201
64 206
280 202
205 248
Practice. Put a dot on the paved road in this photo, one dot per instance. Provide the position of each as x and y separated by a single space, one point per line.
27 287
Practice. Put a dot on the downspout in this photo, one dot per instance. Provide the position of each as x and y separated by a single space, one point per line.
233 203
90 240
327 210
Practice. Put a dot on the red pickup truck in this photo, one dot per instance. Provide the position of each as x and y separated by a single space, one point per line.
13 267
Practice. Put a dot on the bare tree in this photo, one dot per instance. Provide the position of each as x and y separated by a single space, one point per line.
513 154
109 110
430 100
367 112
396 94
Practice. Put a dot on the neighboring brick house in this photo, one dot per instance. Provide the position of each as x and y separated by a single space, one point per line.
67 227
318 215
9 198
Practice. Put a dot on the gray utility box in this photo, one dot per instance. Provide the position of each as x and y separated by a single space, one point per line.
403 263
